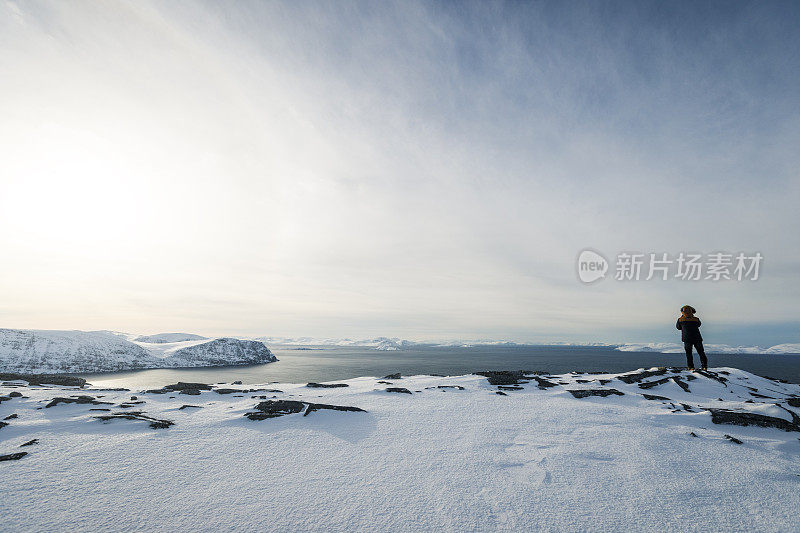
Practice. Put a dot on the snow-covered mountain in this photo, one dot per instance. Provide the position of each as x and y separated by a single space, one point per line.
161 338
50 351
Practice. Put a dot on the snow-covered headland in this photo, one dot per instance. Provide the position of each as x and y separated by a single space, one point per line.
648 450
53 351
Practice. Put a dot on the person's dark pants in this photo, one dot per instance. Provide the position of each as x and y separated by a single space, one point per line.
698 345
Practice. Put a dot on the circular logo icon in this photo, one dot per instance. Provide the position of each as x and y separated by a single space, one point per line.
591 266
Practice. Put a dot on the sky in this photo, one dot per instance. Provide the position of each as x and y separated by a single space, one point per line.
425 170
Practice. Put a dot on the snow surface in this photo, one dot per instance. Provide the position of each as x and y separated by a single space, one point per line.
52 351
436 459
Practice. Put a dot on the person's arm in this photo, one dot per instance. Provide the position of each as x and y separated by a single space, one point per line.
699 323
678 324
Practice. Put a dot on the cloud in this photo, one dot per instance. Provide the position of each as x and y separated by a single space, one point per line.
401 169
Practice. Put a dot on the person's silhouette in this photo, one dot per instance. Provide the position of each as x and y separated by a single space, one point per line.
690 335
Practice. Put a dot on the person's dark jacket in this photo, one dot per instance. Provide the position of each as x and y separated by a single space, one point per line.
690 329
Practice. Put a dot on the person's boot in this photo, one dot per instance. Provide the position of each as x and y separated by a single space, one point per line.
690 368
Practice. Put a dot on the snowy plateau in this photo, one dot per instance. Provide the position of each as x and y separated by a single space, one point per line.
659 449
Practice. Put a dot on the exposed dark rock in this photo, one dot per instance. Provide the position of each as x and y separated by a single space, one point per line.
191 392
243 391
687 407
236 383
655 397
676 379
501 393
326 385
739 418
543 383
503 377
459 387
273 390
584 393
276 408
76 399
393 376
188 406
757 395
583 380
157 391
154 423
795 418
693 434
50 379
30 443
13 456
384 382
3 424
794 402
712 375
134 398
639 376
181 386
398 389
4 398
605 381
507 387
15 394
680 383
691 377
99 409
317 406
733 439
12 416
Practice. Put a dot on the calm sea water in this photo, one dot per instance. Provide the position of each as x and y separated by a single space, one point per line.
337 363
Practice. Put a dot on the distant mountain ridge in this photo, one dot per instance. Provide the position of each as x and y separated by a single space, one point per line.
53 351
162 338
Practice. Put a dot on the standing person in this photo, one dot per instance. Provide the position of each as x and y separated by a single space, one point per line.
690 335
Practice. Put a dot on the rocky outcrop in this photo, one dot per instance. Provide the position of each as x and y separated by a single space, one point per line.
503 377
42 379
740 418
656 397
78 400
326 385
642 375
154 423
13 456
402 390
585 393
276 408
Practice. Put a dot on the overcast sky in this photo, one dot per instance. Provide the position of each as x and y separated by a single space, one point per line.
422 170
